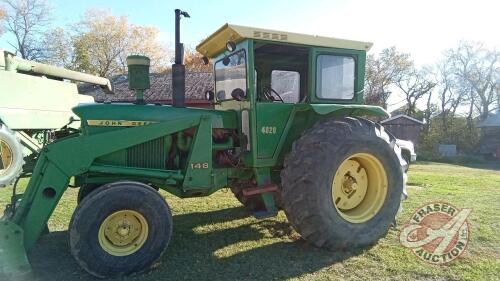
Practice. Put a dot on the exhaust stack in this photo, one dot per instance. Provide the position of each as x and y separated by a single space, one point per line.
178 68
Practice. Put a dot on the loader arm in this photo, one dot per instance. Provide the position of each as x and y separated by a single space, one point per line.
58 162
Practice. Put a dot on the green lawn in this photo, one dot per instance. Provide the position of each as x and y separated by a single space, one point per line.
216 239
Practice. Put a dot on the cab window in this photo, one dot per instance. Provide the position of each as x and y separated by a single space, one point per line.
230 74
287 83
335 77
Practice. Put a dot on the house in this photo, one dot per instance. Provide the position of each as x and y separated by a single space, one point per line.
489 143
197 83
404 127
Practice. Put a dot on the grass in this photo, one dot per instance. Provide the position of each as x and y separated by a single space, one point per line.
216 239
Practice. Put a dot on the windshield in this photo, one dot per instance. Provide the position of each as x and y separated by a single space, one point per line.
230 74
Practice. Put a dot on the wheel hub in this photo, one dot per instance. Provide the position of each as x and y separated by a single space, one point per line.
352 183
349 185
359 187
124 230
123 233
5 157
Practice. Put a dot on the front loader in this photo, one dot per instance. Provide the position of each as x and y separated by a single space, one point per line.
286 133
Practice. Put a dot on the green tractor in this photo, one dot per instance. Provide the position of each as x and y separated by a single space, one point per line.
286 134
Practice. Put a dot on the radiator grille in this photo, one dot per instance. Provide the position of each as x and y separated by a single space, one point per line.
151 154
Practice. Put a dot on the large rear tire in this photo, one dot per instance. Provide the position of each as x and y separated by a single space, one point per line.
11 156
342 183
120 229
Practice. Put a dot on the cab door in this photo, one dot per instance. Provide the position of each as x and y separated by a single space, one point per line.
275 102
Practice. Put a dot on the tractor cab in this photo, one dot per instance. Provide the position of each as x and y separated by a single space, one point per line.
277 79
266 66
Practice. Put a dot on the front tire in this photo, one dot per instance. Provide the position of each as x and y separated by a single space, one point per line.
85 190
343 183
120 229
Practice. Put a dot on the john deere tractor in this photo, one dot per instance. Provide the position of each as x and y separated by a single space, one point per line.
287 132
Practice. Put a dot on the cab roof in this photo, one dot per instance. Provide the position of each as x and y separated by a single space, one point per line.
216 43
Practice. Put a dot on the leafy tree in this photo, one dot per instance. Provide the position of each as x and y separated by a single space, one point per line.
3 15
457 133
194 62
58 48
104 41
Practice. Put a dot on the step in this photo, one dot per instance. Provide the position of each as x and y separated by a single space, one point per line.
260 189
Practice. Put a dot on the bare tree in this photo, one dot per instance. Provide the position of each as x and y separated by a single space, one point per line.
415 84
27 21
430 109
450 96
497 90
382 71
477 69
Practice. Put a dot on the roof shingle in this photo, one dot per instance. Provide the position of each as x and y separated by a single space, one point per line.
161 88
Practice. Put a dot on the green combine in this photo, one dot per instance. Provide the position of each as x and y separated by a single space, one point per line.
286 133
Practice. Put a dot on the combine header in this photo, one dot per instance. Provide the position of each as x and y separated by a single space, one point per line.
35 101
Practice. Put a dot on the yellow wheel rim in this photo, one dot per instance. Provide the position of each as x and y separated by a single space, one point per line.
359 187
5 157
123 233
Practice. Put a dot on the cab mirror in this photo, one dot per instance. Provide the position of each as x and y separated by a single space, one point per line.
209 95
238 94
221 95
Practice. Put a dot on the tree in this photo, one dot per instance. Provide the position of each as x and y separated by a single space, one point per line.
450 96
415 84
382 71
194 62
27 21
103 42
3 15
478 70
458 133
429 112
58 48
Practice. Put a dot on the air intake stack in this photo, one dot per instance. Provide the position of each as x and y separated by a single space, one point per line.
138 76
178 68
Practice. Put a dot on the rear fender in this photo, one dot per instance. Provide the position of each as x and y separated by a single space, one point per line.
348 110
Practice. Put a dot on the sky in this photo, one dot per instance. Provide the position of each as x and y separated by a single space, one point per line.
422 28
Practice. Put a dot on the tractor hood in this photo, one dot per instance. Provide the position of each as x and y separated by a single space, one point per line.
127 115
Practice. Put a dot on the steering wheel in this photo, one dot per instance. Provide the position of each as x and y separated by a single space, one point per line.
270 94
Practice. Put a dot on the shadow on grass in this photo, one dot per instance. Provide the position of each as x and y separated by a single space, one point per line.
221 254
